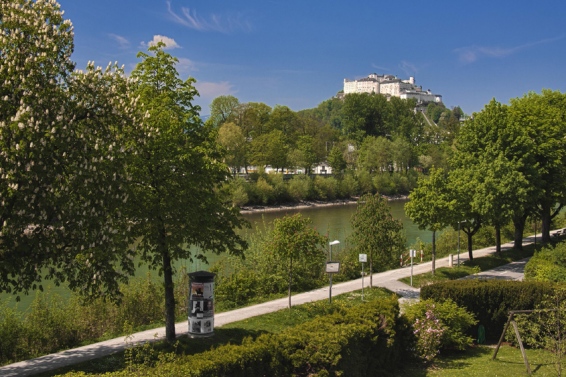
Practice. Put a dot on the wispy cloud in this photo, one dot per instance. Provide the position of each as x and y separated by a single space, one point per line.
186 66
169 42
384 69
122 42
472 53
408 68
214 22
211 90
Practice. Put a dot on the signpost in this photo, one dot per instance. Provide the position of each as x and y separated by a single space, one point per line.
332 268
413 254
363 259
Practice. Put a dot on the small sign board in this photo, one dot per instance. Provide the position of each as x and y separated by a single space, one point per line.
332 267
363 258
413 253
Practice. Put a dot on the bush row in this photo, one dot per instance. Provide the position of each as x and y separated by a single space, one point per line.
490 300
266 189
361 341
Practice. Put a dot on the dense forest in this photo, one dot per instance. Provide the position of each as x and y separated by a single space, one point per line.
372 143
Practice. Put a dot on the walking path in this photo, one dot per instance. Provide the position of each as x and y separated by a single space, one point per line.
387 279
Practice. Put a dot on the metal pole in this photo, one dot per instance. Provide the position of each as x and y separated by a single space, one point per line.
412 252
458 243
330 278
335 242
362 281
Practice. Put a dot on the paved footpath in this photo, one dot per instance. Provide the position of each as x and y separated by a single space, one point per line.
388 279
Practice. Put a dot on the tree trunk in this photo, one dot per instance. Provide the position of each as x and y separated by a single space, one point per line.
498 238
545 218
470 252
169 292
519 223
433 251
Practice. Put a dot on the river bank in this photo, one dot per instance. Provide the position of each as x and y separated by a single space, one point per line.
308 204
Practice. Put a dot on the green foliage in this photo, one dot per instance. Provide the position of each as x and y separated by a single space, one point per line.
264 272
264 191
376 233
544 327
326 188
300 187
294 239
352 341
455 321
548 264
489 300
53 324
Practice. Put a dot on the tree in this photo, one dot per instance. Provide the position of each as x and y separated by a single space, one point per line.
364 115
304 155
430 204
62 162
222 109
543 118
336 160
375 155
234 142
176 174
269 149
294 238
493 159
376 233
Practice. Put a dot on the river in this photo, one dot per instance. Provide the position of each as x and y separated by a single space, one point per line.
331 221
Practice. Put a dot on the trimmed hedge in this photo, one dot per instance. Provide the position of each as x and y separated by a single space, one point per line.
490 300
364 340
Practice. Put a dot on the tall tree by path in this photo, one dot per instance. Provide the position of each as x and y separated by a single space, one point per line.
376 233
294 239
430 204
177 172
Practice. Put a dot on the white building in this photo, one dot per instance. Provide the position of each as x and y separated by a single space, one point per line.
391 86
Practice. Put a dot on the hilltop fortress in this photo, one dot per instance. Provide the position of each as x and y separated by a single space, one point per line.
391 86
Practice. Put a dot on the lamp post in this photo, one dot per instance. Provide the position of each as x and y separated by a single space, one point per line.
330 244
459 222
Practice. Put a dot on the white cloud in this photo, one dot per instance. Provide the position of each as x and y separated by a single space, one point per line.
214 22
122 42
169 42
472 53
211 90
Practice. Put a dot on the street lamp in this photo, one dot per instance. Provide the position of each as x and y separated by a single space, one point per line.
330 244
459 222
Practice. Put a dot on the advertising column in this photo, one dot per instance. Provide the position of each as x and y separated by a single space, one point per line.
201 304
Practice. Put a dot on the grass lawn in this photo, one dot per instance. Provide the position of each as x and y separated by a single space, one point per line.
477 362
472 267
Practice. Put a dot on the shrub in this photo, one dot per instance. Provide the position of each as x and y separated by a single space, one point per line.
300 187
265 191
548 264
454 322
489 300
348 186
325 188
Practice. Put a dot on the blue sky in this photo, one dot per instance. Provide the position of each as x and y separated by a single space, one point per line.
297 53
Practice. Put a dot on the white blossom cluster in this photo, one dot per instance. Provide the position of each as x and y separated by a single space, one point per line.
63 156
